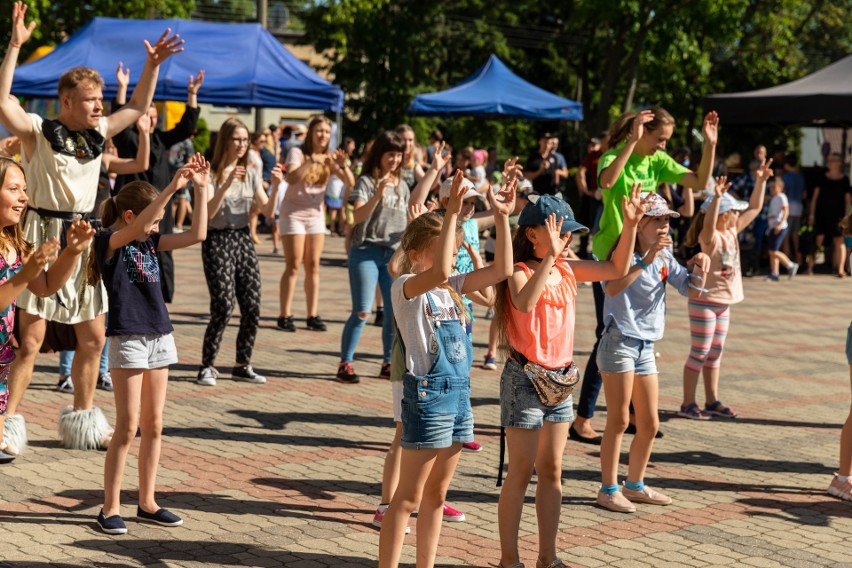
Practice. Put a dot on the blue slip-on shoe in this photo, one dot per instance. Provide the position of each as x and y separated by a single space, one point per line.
161 517
112 525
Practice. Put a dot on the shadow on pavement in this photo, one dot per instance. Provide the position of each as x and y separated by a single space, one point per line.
279 420
698 458
267 438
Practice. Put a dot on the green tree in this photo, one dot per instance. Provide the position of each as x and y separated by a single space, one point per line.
59 19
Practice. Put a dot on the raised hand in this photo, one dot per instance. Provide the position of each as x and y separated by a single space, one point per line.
764 172
20 31
201 170
457 192
277 176
79 235
512 169
504 202
711 128
634 206
439 160
416 210
45 254
639 122
339 157
383 185
164 48
143 124
195 82
557 241
722 186
122 75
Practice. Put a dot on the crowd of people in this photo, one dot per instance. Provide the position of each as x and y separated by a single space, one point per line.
87 228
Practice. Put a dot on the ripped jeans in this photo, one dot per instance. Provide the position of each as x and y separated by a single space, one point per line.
368 265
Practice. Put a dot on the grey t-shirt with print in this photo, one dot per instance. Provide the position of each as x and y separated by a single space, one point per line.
386 224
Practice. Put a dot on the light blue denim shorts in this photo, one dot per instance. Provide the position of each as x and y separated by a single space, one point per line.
436 412
618 353
520 406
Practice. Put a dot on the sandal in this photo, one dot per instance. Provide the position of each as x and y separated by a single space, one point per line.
555 564
693 412
515 565
719 409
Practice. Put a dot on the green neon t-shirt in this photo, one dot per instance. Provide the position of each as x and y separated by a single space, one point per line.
647 170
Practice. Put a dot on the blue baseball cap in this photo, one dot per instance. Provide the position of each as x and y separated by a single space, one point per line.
539 209
728 203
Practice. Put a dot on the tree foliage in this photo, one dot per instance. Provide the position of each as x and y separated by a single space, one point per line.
611 55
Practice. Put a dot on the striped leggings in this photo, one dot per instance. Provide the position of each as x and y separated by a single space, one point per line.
708 325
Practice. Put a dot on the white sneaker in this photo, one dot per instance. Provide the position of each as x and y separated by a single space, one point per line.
65 384
207 376
247 375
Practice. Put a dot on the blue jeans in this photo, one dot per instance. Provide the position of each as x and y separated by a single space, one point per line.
368 265
66 358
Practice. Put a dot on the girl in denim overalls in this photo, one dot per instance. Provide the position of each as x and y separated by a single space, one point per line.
436 413
535 314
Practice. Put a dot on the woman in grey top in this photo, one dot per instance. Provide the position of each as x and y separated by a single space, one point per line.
230 262
380 199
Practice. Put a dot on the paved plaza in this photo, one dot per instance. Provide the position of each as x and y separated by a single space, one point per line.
288 473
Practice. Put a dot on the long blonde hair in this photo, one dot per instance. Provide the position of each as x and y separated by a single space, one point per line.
620 129
418 236
318 174
223 140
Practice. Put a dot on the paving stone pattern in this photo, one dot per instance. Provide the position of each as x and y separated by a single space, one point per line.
288 473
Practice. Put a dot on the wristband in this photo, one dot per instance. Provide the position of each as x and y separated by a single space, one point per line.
642 264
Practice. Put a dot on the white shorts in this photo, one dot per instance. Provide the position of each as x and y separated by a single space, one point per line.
396 390
287 225
149 351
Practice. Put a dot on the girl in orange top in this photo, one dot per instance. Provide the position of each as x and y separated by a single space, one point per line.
535 311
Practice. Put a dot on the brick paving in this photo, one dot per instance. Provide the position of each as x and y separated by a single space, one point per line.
288 473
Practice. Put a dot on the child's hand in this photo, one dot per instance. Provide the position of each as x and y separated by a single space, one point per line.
195 82
634 207
79 235
664 241
143 125
416 210
474 255
764 172
200 170
558 241
721 187
277 176
504 202
512 169
700 261
238 173
45 254
456 192
439 160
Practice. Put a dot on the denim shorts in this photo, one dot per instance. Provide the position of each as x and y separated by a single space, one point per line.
436 412
618 353
150 351
520 406
849 344
774 241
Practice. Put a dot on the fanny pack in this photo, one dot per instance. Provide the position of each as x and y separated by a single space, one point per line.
553 386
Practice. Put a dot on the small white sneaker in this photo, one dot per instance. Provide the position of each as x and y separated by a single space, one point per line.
207 376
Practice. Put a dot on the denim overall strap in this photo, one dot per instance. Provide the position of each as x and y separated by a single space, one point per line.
454 351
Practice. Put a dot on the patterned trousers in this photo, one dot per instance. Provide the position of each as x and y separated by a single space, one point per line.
233 276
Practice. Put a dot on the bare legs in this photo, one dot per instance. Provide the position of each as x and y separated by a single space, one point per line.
299 249
540 449
390 472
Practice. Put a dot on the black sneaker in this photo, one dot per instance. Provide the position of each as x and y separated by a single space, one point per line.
162 517
346 374
315 323
380 317
247 375
105 381
286 324
65 384
113 525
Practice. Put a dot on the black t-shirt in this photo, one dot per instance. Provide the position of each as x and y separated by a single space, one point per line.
132 280
545 184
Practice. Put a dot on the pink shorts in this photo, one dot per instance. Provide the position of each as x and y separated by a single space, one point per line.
288 225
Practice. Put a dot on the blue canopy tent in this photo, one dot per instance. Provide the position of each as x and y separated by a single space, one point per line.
494 91
245 65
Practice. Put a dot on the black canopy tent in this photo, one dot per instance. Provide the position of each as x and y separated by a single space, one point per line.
823 98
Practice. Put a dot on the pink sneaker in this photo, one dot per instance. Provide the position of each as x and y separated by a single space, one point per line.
472 447
380 516
450 514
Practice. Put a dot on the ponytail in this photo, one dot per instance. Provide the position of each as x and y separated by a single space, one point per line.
135 197
623 125
694 230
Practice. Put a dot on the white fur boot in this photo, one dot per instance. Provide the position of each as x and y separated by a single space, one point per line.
84 429
15 434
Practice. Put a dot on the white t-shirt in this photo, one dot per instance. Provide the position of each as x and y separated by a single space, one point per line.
776 211
414 323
